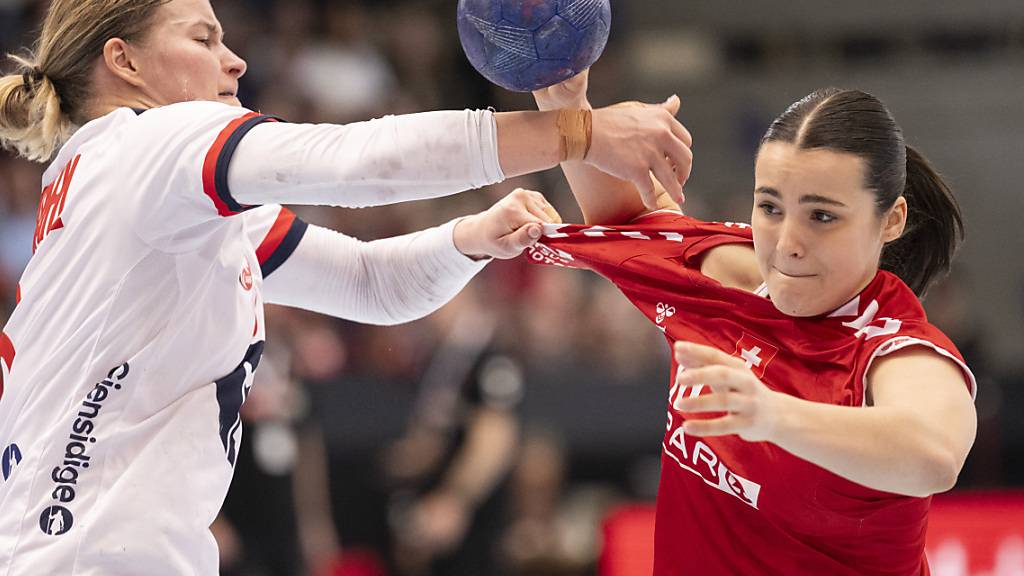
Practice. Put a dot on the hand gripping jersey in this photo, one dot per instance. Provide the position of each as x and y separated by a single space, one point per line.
124 365
730 507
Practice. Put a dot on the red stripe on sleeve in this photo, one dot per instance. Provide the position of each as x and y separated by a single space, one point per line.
210 164
277 233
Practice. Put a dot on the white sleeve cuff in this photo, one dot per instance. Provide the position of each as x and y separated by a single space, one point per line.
447 257
488 132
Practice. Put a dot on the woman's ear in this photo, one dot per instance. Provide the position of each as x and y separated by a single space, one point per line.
895 221
118 60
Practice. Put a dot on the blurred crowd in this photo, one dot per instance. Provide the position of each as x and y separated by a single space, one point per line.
489 438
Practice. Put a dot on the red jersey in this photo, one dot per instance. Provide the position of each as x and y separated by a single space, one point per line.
728 506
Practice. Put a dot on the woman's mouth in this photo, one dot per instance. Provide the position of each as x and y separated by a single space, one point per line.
789 275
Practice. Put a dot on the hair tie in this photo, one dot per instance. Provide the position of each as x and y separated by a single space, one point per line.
32 77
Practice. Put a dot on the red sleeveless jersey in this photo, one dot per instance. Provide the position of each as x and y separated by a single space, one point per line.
728 506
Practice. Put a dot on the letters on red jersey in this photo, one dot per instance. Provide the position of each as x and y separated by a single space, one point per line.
727 506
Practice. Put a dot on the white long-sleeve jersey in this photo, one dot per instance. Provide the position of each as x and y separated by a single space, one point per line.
140 315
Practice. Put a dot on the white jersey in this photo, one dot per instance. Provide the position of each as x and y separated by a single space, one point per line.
139 326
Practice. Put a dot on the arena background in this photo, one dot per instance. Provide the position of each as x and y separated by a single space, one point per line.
563 384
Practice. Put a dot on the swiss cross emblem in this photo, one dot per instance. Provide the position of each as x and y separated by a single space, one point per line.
756 353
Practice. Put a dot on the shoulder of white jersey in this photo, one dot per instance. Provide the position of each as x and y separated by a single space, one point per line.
172 166
275 233
187 132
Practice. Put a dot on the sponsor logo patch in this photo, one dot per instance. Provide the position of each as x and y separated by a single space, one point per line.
57 519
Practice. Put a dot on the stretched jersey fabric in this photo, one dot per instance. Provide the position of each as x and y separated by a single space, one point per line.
727 506
132 348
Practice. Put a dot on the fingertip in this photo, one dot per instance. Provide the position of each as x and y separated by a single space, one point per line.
534 231
673 104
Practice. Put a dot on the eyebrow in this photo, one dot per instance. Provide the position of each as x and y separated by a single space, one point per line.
805 199
214 29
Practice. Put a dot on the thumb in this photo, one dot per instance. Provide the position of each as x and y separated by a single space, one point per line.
526 236
672 104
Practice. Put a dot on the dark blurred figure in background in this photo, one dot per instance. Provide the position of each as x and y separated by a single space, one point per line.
951 309
448 471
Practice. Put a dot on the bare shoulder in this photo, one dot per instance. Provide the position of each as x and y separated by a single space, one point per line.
733 265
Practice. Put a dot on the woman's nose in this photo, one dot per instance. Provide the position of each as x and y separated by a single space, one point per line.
791 243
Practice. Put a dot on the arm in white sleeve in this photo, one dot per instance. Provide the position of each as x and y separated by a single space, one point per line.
383 282
384 161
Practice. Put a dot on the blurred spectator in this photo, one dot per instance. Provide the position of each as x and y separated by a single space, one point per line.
950 308
19 197
342 73
447 471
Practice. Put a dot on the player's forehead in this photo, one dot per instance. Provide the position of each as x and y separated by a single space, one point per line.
184 14
794 173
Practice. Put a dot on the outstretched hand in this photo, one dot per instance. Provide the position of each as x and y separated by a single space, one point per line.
751 409
504 230
631 140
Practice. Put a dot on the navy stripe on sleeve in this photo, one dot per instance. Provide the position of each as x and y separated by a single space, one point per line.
285 248
225 155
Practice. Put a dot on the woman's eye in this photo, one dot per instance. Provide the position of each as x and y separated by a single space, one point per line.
823 217
203 41
768 209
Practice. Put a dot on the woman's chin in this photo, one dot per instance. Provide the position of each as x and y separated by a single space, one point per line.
795 305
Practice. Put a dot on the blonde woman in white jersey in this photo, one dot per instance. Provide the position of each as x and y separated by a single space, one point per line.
160 237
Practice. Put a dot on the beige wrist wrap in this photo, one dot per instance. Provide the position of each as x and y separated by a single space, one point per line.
575 129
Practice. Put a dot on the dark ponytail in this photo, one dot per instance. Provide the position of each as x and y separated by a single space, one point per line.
858 123
934 228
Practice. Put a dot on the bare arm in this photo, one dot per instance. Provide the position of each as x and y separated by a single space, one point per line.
486 456
439 520
913 440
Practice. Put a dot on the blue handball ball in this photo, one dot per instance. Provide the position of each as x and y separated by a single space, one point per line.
526 45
